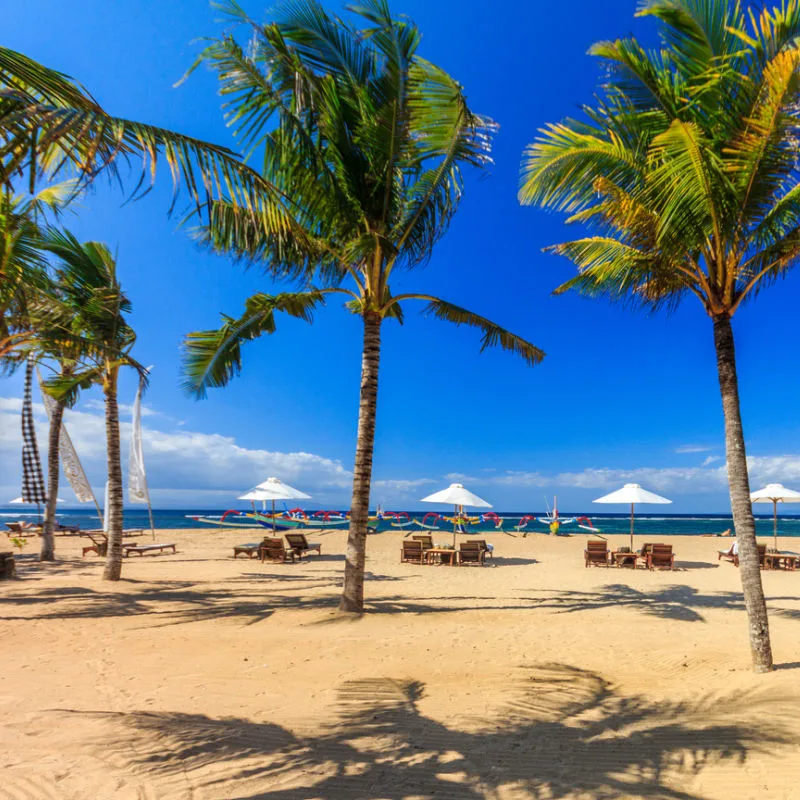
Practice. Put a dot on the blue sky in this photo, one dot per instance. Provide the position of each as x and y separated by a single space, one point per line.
621 395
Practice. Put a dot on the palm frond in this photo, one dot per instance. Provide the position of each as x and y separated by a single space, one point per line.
50 123
211 358
493 335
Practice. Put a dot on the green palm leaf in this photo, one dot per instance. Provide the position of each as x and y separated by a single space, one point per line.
212 357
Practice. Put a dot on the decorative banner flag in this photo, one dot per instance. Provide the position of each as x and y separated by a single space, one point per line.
33 489
70 462
137 479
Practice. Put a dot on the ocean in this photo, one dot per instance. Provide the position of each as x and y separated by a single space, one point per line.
646 524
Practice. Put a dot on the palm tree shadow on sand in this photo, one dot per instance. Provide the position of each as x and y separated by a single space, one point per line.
564 733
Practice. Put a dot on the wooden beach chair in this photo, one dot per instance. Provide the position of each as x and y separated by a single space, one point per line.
249 549
274 550
301 546
660 556
596 554
24 528
487 553
471 553
99 543
141 549
412 552
729 554
427 541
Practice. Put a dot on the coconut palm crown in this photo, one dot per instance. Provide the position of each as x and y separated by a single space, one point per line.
685 174
366 141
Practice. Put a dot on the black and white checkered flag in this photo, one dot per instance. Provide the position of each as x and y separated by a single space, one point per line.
33 488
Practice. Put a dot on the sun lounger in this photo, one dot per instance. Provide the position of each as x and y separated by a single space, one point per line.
660 556
427 541
23 528
99 543
596 554
487 549
300 545
732 555
141 549
274 550
471 553
250 549
413 552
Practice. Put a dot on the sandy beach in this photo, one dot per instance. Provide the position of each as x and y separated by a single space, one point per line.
200 676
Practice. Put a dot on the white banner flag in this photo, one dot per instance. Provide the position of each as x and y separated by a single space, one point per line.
137 479
71 464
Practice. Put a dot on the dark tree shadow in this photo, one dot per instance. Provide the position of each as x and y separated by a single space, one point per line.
564 732
678 602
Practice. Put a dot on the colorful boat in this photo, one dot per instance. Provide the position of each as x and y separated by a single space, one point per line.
230 519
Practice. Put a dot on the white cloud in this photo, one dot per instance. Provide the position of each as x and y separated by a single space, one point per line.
181 464
402 485
125 409
206 469
691 448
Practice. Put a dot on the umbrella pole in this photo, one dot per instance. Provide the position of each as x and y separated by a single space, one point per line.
632 527
775 523
455 525
273 517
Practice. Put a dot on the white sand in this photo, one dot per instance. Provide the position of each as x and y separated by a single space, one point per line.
202 677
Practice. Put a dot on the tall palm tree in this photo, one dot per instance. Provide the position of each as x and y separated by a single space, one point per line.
92 319
27 296
686 172
50 313
366 141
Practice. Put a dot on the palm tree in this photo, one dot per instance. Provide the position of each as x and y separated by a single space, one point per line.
686 172
50 313
92 320
27 295
366 141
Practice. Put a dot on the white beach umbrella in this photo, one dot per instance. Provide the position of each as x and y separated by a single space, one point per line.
456 495
632 493
775 493
274 489
278 490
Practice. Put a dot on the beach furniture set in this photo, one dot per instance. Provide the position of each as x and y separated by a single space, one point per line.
35 529
767 558
651 556
421 550
273 548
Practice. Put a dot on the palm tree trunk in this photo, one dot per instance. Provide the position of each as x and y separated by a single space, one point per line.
739 483
353 589
113 568
47 552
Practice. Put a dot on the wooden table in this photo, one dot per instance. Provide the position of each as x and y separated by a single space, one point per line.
773 561
442 552
618 557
